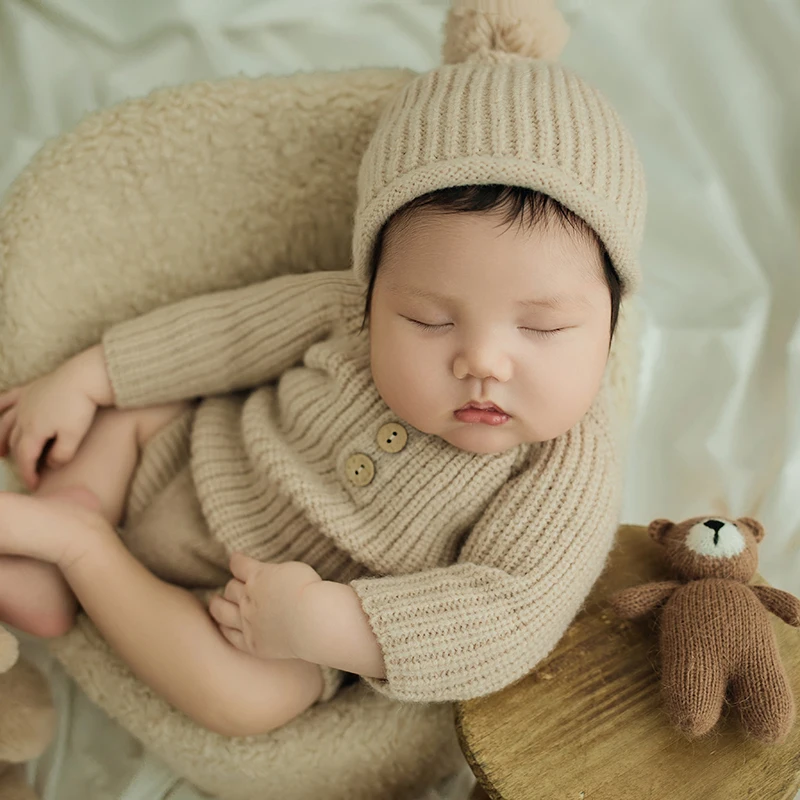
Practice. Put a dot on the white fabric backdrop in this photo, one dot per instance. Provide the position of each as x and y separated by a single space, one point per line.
711 93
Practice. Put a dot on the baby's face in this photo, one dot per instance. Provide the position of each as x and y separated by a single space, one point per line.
519 317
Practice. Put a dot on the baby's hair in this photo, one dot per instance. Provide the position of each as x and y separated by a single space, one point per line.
520 205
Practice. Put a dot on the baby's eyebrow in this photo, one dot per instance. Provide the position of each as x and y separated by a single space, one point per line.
552 301
555 301
416 291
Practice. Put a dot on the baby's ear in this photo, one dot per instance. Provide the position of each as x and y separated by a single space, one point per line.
756 527
659 528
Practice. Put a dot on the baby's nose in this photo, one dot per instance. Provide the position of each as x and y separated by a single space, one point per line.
483 363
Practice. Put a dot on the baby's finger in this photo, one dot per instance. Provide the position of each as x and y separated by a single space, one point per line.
6 426
9 398
62 451
234 591
236 638
27 455
13 441
243 566
225 613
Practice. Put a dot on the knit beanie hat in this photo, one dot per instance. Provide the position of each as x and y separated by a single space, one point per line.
500 112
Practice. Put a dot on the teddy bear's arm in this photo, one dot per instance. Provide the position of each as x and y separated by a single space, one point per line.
780 603
639 600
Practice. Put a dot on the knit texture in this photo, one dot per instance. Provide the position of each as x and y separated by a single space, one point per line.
469 567
502 117
715 634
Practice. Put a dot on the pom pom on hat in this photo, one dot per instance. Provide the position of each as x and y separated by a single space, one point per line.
502 30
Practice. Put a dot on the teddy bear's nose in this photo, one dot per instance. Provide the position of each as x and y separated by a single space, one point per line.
714 524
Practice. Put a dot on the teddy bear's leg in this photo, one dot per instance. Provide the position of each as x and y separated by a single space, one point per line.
763 695
693 686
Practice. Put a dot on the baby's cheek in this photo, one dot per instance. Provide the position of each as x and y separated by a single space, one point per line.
402 390
388 381
566 393
403 375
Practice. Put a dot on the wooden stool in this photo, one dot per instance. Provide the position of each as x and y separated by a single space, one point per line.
588 723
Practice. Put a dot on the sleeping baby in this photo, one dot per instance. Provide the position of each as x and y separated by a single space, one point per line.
405 470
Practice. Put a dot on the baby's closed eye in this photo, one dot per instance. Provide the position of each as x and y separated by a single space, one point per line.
543 332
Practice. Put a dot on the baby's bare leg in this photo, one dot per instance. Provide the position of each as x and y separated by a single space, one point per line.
107 457
33 595
162 632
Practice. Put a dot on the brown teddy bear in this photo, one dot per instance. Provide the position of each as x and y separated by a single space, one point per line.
715 632
27 718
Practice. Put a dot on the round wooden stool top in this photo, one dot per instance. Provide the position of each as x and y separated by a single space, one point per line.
588 723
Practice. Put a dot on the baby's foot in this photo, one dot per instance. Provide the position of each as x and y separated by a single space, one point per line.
38 535
57 527
35 597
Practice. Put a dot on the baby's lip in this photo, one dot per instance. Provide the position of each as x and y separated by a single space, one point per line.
483 407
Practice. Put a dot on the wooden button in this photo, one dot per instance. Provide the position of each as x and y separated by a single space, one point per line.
359 469
392 437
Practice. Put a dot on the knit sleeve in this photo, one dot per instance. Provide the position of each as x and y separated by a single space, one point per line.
470 629
224 341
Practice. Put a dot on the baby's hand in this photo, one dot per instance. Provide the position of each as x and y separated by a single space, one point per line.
55 412
257 613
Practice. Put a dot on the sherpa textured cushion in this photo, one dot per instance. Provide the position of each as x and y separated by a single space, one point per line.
190 190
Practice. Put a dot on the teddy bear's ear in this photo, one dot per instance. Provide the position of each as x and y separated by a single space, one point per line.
659 528
756 527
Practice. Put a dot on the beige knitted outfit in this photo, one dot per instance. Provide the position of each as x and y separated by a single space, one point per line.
468 566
